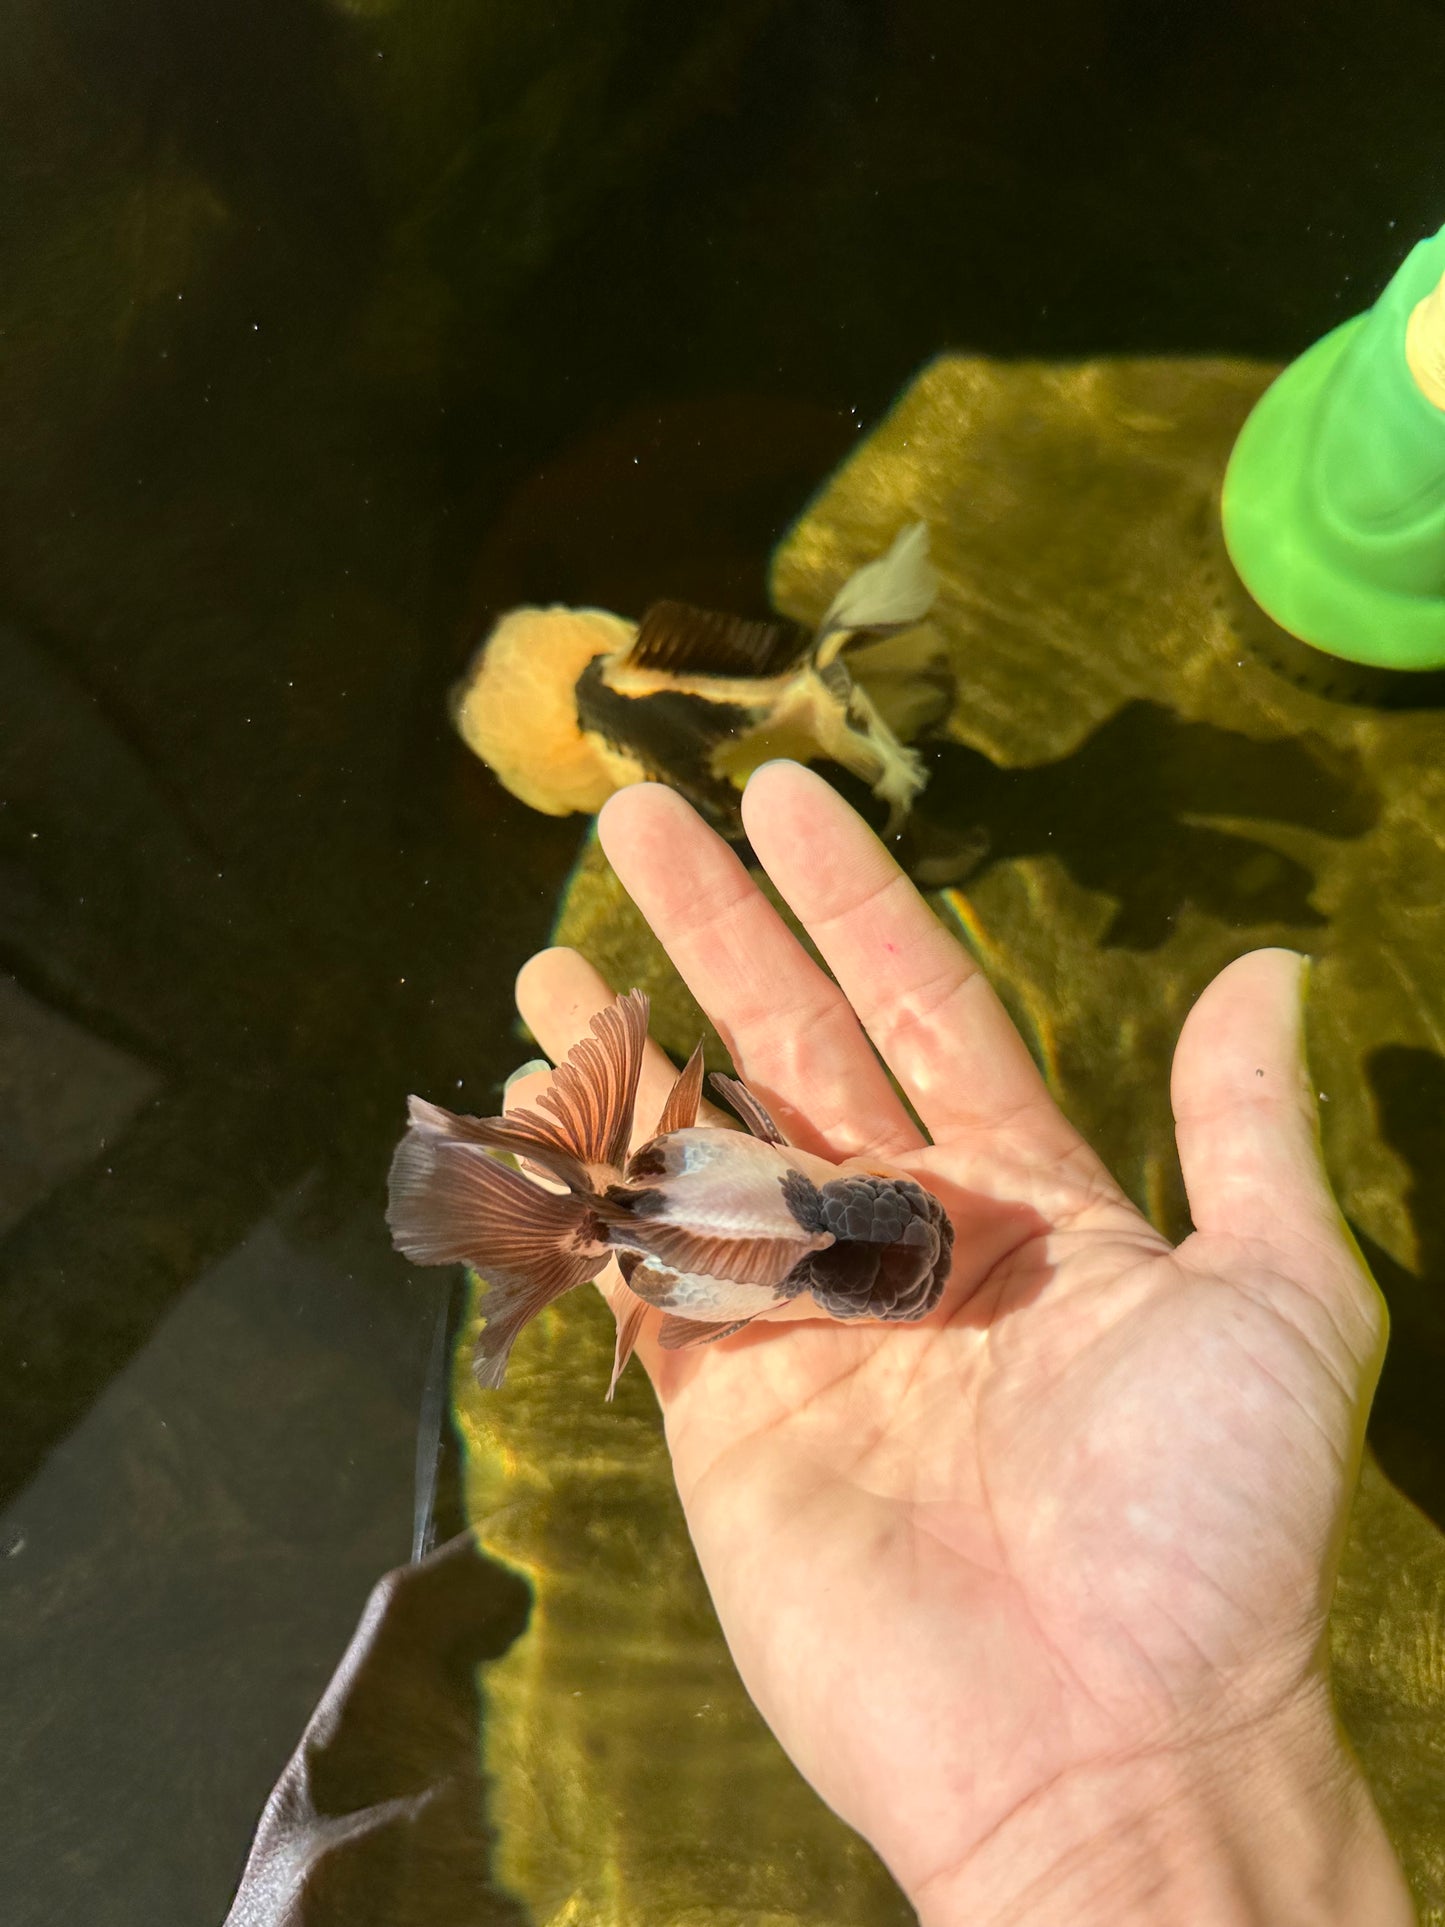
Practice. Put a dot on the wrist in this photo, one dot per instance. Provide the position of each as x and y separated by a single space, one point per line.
1274 1827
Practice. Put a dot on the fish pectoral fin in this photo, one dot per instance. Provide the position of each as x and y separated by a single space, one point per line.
629 1316
762 1261
679 1334
679 1113
752 1110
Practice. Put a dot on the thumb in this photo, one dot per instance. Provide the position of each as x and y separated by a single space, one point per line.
1246 1121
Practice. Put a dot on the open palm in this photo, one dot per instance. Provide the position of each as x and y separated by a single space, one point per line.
1088 1512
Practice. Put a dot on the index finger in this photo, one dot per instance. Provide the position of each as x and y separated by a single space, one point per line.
923 1000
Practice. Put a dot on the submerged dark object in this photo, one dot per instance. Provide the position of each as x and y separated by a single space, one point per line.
568 705
712 1228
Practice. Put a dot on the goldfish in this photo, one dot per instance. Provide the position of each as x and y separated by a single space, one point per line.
568 705
710 1227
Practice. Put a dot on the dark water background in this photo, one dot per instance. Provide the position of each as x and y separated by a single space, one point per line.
325 332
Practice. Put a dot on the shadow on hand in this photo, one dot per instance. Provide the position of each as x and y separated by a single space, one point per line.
1409 1091
379 1819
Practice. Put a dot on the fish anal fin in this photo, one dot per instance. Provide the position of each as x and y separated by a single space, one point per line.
680 1334
679 1113
678 639
752 1111
629 1315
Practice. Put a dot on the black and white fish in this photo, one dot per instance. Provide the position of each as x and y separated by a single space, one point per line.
568 705
710 1227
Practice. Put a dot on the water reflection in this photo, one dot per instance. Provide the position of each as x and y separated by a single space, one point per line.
327 331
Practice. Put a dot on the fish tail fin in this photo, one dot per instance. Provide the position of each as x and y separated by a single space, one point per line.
590 1102
594 1091
890 593
507 1305
522 1134
452 1203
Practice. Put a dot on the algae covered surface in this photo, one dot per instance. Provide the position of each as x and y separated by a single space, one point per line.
1155 800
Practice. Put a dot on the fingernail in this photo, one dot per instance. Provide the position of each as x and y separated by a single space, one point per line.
529 1069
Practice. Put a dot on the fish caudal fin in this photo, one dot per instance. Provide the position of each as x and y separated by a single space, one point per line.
893 592
593 1093
591 1101
507 1306
522 1134
451 1203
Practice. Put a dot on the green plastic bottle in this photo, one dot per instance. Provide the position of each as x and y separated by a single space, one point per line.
1334 499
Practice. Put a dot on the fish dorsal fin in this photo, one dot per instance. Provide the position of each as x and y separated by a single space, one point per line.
892 592
679 1334
679 1113
680 640
752 1111
593 1092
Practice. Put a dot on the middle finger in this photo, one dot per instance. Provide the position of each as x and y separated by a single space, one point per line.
789 1028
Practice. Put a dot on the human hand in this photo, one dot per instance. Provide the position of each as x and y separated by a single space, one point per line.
1034 1592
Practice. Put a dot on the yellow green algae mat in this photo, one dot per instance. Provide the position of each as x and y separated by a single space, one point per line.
1190 804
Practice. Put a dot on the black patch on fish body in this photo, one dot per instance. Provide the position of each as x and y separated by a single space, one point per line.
804 1200
672 733
635 1204
648 1160
893 1250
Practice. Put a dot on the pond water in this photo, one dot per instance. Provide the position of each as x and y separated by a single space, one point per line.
328 332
